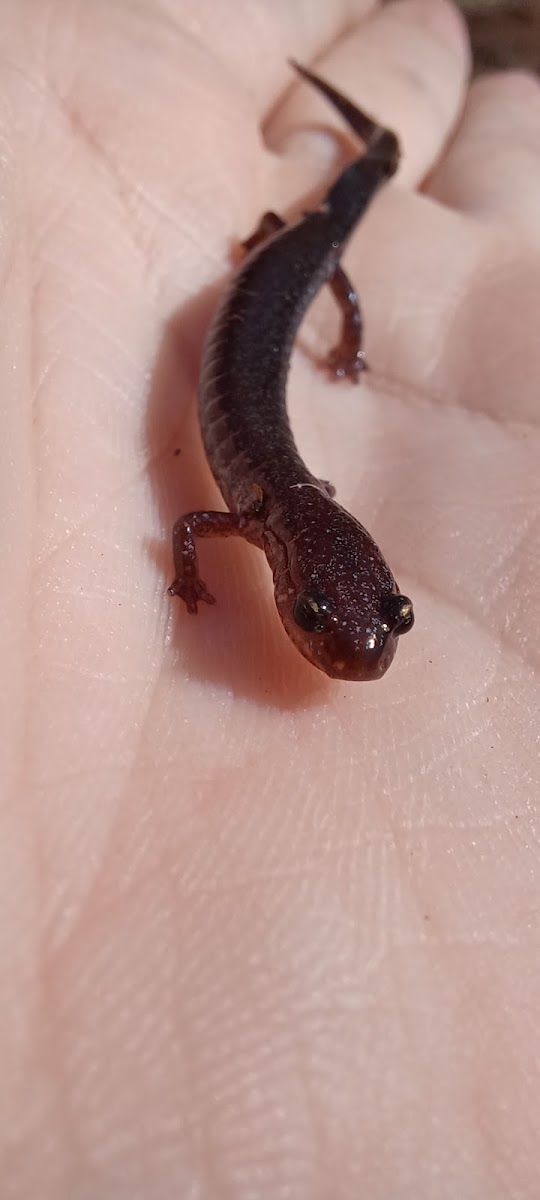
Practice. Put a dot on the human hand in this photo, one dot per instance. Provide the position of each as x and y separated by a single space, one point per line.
264 934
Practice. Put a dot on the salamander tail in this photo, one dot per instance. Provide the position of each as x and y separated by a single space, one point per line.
364 126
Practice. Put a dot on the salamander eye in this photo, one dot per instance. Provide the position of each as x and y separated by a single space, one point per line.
313 611
398 610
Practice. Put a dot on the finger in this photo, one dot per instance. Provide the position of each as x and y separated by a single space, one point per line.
258 49
406 64
493 167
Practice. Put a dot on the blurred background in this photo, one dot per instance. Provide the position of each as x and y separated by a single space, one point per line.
505 33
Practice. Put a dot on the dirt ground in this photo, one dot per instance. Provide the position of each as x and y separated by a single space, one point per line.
505 33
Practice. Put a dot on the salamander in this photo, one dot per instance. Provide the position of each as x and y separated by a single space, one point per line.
335 594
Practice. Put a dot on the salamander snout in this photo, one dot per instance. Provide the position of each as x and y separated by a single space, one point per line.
350 644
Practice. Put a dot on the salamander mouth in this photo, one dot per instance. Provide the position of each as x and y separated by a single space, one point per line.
359 666
337 654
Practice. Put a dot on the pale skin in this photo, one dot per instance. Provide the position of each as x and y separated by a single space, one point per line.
264 935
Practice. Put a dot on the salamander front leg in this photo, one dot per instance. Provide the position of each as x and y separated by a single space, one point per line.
188 583
346 360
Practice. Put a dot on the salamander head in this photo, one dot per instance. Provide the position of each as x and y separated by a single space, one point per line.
347 642
334 592
336 595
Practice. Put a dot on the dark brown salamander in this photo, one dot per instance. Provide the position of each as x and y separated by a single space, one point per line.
335 594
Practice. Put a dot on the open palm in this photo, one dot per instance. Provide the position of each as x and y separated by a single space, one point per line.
264 934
